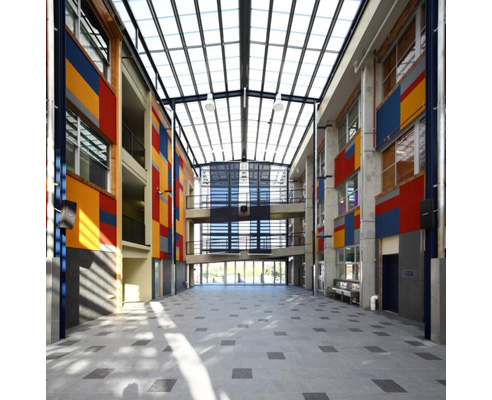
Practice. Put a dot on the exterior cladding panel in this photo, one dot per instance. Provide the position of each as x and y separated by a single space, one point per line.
320 242
402 106
398 211
162 203
348 161
88 91
347 229
95 220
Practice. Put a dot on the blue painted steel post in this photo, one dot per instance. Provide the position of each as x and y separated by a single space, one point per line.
60 160
431 156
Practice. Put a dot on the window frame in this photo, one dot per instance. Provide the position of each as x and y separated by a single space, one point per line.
78 149
347 137
356 264
76 7
354 177
418 127
418 42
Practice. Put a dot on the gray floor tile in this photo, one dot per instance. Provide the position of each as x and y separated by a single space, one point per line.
319 329
94 349
56 355
328 349
276 356
280 333
162 385
201 329
99 373
68 343
381 333
389 386
442 381
375 349
355 329
228 343
242 373
315 396
428 356
141 343
414 343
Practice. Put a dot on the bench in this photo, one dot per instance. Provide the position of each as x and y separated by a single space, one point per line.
345 288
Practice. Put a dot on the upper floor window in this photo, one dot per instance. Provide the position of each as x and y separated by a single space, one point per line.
84 24
87 154
349 125
404 158
408 46
348 194
348 263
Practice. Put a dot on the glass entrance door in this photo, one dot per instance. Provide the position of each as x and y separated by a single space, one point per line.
248 272
268 274
216 272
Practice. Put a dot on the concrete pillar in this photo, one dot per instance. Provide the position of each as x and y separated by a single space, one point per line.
438 300
331 210
52 300
297 228
369 185
309 224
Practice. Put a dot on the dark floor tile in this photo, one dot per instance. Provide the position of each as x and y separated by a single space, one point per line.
56 356
201 329
243 326
355 329
228 343
315 396
389 386
381 334
377 326
215 309
179 315
353 320
280 333
233 315
294 309
242 373
414 343
168 349
328 349
336 312
324 317
276 356
262 320
99 373
199 317
141 343
319 329
103 334
267 312
129 329
295 317
442 381
68 343
162 385
243 308
428 356
94 349
375 349
353 315
318 309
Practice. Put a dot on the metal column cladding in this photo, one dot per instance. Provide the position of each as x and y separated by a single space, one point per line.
224 215
259 200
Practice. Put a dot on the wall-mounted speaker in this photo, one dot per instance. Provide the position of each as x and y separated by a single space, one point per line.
427 218
67 214
244 209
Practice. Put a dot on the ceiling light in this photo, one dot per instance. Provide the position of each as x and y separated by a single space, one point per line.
278 105
209 104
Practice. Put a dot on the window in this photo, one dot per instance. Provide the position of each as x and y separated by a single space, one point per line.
348 263
408 46
321 213
84 24
349 125
404 158
348 194
87 154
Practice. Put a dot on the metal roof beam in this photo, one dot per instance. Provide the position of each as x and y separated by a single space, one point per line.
244 35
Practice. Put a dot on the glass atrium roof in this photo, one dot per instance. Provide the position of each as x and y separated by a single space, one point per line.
244 53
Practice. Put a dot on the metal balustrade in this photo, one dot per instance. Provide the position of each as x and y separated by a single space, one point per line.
133 146
245 242
281 196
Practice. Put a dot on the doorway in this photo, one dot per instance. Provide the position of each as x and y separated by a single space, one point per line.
390 282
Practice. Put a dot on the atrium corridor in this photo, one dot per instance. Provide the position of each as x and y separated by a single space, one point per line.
251 342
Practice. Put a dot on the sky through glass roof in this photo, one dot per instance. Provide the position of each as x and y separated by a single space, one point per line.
203 46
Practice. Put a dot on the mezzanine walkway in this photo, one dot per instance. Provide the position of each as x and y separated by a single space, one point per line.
246 342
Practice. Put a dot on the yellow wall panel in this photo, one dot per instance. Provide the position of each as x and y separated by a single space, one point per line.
85 233
339 239
82 90
412 105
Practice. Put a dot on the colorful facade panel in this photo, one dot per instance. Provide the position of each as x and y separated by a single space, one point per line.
95 220
403 105
347 230
348 161
88 91
397 212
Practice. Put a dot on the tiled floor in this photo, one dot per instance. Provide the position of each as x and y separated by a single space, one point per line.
246 343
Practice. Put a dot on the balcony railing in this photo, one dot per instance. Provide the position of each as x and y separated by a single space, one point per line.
133 231
277 196
133 146
236 243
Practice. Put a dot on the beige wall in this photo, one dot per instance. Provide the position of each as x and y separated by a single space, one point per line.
137 279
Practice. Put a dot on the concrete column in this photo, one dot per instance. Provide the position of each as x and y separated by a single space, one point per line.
309 224
438 300
369 185
52 300
331 210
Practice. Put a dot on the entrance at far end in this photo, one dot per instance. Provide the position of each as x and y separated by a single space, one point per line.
243 273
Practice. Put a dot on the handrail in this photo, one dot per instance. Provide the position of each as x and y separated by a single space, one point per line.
280 196
133 230
134 146
242 242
